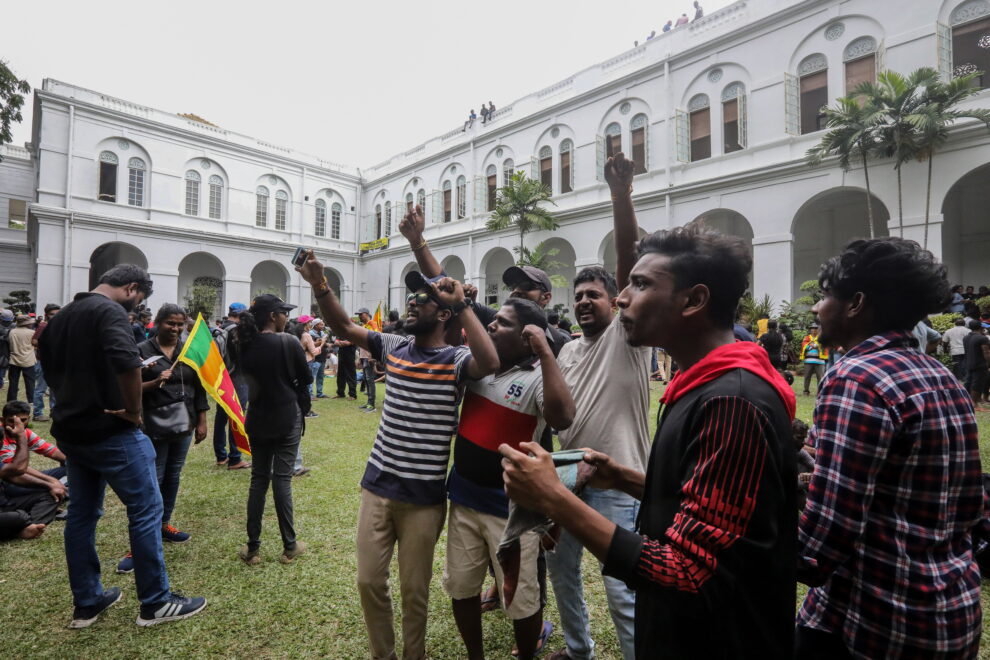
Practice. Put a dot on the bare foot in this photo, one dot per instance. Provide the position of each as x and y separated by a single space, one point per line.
32 531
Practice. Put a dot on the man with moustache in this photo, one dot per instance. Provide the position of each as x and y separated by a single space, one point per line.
402 492
711 562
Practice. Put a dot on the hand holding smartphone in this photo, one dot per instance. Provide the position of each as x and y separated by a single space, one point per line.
299 258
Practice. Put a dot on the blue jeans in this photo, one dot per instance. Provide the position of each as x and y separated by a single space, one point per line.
221 429
565 575
39 392
170 456
125 461
317 369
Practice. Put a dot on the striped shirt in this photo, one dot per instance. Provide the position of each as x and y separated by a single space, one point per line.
409 459
35 444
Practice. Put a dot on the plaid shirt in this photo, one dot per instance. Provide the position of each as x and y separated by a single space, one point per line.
895 493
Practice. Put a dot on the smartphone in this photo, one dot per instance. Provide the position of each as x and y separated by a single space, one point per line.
299 258
150 361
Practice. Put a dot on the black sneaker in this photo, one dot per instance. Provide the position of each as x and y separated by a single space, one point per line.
84 617
174 608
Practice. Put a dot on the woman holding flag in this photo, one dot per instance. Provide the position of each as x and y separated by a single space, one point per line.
174 407
274 366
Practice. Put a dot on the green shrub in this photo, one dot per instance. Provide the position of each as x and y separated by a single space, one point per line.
984 304
943 322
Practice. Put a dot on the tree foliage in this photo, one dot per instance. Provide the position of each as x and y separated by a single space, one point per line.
542 257
19 301
517 204
12 91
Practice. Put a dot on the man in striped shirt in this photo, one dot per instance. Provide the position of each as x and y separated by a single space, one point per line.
403 494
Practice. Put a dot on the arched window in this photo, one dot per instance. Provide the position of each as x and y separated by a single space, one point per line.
135 182
638 128
192 192
461 197
321 218
446 201
508 169
813 90
733 118
261 207
566 166
216 197
963 48
281 209
700 127
546 167
108 177
388 219
860 59
378 220
409 203
613 137
491 182
421 200
335 212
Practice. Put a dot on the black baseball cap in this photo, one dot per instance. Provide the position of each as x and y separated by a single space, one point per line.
271 302
516 275
416 281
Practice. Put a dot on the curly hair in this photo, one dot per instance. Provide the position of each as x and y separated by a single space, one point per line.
902 282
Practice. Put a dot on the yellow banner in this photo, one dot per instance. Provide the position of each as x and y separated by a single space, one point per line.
377 244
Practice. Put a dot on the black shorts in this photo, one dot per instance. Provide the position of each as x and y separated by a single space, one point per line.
977 381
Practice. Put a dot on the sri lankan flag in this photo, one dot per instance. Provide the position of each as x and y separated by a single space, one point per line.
202 354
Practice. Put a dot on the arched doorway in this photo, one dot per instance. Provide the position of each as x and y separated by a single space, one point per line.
269 277
730 223
335 282
824 225
495 262
109 255
201 285
965 230
562 269
606 251
454 268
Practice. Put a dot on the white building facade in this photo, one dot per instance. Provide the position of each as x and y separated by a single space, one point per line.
718 116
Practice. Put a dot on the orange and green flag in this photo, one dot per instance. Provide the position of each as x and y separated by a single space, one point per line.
201 353
376 320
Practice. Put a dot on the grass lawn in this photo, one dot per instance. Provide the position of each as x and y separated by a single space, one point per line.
310 608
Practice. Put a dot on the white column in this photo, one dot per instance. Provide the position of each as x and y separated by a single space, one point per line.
165 287
773 267
236 289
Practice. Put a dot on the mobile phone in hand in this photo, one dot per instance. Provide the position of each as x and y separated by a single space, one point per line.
299 258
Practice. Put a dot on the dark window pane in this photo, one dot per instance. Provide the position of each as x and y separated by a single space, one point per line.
814 97
446 206
565 172
730 126
701 134
108 182
492 187
966 49
859 71
639 150
546 172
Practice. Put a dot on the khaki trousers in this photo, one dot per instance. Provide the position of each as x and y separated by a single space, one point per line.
381 524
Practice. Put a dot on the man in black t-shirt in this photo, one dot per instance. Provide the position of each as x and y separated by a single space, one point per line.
93 366
977 347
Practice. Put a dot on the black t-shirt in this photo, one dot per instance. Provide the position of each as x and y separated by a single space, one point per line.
83 349
973 344
773 342
274 366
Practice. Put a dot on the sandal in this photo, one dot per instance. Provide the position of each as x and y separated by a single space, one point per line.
540 643
490 600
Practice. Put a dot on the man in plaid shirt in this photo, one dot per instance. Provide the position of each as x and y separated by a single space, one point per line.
885 539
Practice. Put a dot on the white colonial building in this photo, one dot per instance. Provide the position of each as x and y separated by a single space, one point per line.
718 116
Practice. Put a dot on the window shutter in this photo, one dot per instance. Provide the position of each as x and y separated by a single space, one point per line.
682 135
741 120
534 168
480 195
943 43
792 104
881 57
599 158
437 201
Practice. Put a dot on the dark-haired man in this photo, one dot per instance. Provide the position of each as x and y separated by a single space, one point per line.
222 433
402 492
711 562
885 538
976 347
40 386
511 406
93 366
609 380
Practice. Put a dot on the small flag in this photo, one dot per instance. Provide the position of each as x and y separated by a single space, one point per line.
376 320
202 354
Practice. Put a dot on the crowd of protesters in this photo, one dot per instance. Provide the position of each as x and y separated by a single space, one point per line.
702 532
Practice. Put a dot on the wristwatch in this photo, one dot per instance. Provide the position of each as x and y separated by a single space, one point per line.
457 308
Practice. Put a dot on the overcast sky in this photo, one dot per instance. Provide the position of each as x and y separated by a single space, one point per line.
353 82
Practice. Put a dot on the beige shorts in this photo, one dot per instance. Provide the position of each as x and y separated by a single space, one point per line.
472 541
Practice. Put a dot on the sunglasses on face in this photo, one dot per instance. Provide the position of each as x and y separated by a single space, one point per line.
418 298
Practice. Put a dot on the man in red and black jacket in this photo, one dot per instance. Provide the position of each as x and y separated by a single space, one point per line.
713 558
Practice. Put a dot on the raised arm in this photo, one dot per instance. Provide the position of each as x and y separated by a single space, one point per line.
484 358
411 226
330 308
558 405
619 176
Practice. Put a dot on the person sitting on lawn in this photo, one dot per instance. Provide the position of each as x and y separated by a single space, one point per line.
402 492
22 410
29 499
513 405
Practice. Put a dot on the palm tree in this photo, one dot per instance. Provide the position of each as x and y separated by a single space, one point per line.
518 203
542 257
933 116
851 124
895 97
